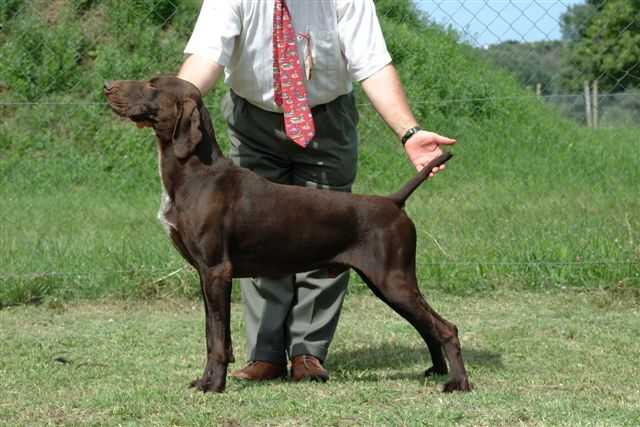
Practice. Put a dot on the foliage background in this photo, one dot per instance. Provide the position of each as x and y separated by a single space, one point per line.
600 41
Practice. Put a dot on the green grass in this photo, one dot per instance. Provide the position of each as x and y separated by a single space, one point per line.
563 217
83 244
535 358
529 242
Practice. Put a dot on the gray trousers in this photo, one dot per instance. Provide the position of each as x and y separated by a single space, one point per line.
296 314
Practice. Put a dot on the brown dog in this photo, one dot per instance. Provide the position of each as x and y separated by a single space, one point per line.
228 222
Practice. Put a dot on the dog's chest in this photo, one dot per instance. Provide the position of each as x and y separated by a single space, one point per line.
167 213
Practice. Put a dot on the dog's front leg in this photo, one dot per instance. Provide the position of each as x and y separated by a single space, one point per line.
216 291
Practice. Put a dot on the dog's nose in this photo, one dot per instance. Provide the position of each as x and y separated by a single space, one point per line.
108 85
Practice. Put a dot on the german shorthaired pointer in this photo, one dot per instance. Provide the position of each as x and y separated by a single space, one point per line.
228 222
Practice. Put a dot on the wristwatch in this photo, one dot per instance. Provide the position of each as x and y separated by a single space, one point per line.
408 134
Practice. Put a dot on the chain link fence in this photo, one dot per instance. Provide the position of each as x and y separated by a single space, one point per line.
579 60
557 48
552 47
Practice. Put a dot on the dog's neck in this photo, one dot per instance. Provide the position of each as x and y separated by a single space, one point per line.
203 158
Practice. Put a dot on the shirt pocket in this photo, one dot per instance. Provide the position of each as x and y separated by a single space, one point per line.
325 52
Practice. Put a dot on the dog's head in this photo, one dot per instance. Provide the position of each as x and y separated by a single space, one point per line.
168 104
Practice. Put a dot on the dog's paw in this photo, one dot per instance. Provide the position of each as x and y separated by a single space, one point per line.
206 385
458 384
433 371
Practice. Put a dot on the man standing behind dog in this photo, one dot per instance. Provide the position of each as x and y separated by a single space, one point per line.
292 118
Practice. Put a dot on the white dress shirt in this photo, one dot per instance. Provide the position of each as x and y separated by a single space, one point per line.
340 39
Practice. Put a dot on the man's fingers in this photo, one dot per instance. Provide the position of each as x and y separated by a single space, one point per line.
433 171
439 139
445 140
426 149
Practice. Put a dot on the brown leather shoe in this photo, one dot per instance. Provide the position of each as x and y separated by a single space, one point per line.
258 370
307 367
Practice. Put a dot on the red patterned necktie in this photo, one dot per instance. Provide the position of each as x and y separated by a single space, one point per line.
290 93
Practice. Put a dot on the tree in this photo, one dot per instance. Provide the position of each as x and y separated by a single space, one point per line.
575 21
604 44
532 63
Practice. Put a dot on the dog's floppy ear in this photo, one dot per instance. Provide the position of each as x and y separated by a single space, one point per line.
186 134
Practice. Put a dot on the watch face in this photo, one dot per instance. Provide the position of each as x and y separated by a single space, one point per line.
409 134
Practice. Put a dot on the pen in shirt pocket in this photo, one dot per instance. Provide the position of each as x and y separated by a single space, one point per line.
308 56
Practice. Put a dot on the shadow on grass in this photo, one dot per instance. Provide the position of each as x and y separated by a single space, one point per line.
361 364
369 363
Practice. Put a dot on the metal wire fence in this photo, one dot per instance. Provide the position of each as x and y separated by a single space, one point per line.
580 59
557 48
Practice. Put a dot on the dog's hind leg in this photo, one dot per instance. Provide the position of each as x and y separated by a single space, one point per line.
435 348
400 291
216 290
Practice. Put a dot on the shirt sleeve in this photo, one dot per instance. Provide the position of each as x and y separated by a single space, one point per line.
216 29
361 38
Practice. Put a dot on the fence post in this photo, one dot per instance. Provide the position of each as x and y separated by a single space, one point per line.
594 95
587 104
539 90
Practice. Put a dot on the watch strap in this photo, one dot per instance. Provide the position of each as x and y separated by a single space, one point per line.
409 133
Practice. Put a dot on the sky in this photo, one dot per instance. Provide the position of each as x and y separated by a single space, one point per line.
484 22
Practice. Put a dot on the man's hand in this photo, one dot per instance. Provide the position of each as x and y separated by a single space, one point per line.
425 146
384 90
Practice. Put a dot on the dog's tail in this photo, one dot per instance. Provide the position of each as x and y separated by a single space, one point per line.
401 196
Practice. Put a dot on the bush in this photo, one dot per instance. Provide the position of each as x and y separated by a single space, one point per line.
39 60
8 10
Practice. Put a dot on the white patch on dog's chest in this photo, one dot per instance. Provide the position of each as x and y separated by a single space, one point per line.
166 204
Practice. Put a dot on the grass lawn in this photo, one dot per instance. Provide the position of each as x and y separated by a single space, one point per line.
557 220
535 358
530 243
